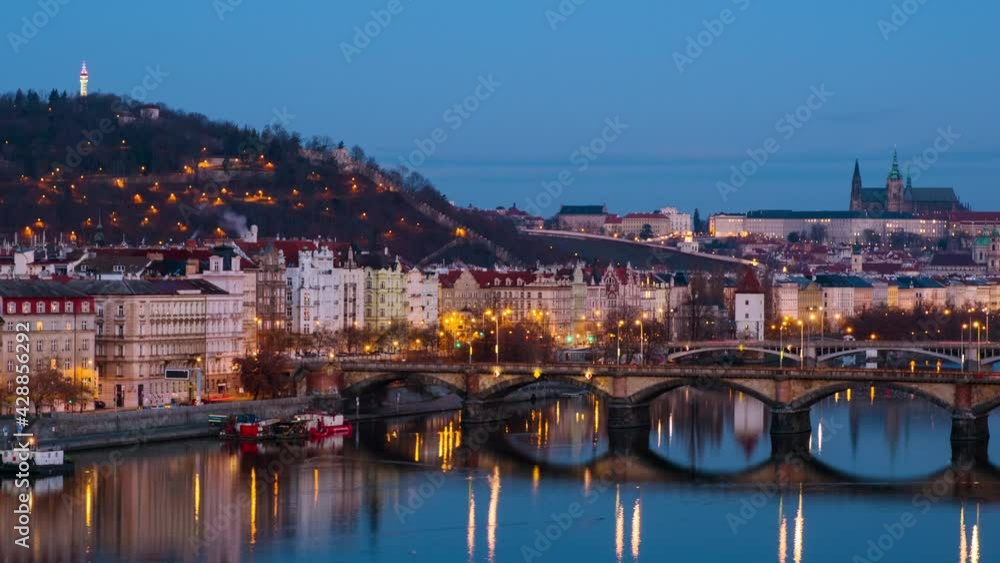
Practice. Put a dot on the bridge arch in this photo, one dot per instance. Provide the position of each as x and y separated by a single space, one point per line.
984 408
383 379
508 386
816 395
916 351
794 357
653 391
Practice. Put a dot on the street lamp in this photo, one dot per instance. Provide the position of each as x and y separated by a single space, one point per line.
979 343
986 311
964 326
781 344
802 342
641 338
618 341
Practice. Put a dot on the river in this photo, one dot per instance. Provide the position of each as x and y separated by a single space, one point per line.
547 485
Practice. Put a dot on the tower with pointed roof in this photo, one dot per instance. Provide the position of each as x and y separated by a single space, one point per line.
749 307
84 78
99 235
857 204
894 187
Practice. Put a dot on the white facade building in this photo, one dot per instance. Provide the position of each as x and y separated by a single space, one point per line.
422 298
749 308
323 294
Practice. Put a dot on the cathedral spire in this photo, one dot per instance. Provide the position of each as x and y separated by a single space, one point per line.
909 179
894 173
856 201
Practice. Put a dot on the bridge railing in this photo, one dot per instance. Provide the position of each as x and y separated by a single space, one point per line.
666 370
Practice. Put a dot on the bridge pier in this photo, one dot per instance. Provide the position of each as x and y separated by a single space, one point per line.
628 441
481 412
967 454
624 414
786 446
969 427
790 421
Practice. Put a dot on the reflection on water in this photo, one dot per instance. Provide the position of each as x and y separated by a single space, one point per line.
707 487
710 430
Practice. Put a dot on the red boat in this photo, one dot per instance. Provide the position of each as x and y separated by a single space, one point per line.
321 425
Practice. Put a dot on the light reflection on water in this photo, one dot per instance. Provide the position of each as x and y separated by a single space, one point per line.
411 490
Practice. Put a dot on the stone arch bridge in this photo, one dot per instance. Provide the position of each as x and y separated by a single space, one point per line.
972 354
629 389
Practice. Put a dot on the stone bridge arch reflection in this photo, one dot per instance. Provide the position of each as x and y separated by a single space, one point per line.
443 443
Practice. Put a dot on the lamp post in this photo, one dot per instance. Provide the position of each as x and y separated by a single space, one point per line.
979 343
964 326
618 341
641 338
802 342
986 311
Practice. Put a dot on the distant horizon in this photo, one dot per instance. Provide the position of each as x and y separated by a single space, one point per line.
695 176
529 85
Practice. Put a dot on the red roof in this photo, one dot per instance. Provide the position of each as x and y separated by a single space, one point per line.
749 283
645 216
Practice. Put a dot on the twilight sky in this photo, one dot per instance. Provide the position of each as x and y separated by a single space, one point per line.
548 83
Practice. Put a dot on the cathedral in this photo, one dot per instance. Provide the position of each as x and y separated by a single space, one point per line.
900 197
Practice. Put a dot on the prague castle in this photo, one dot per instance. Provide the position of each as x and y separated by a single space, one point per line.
897 197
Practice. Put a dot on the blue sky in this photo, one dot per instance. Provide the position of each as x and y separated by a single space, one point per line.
558 78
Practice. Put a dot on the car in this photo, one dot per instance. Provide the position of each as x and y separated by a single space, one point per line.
848 338
98 405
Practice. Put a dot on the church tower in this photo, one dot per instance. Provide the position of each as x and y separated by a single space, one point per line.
894 187
856 202
83 80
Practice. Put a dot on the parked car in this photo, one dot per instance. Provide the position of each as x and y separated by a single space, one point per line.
848 338
98 405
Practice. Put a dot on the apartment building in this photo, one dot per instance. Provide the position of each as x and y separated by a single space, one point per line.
60 326
153 337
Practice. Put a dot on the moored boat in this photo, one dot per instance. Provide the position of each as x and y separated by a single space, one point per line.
322 425
247 428
38 462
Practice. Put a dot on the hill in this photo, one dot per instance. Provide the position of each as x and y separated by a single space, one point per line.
154 174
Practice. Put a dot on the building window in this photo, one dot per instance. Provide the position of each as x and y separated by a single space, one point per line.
11 308
10 366
54 307
26 308
83 325
68 307
39 327
121 311
85 307
67 364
